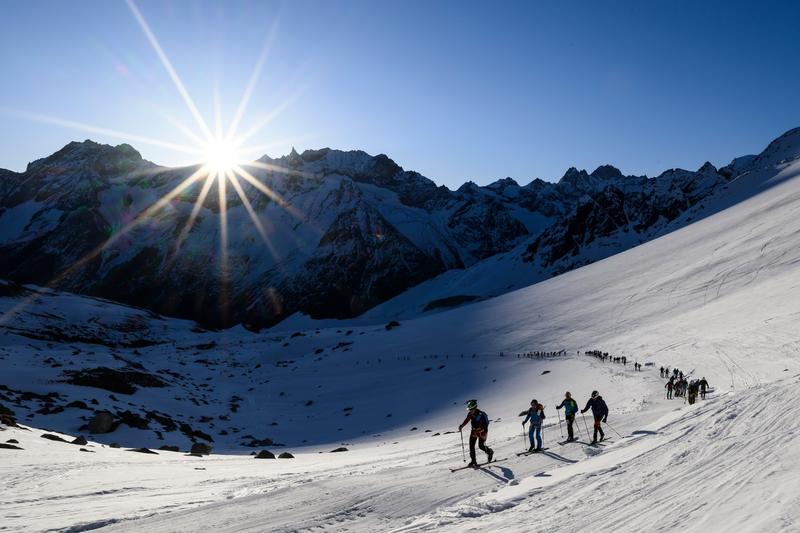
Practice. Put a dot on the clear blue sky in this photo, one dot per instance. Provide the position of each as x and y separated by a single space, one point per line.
454 90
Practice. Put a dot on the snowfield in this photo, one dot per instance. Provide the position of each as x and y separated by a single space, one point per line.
719 298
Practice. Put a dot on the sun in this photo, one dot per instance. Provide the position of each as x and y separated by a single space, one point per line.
221 157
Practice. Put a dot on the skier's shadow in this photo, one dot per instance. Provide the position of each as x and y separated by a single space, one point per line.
559 457
507 473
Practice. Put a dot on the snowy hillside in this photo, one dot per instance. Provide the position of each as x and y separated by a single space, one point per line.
338 232
718 298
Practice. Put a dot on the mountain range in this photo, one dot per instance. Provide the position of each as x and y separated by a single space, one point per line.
345 232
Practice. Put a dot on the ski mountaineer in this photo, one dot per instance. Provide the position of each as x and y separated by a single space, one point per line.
480 430
703 387
536 416
670 384
600 413
570 408
694 388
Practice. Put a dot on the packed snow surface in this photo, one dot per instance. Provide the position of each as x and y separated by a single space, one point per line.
719 298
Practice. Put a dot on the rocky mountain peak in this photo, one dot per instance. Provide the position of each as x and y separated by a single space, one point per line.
707 168
607 172
104 159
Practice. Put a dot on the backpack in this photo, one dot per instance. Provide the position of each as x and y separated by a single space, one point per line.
483 419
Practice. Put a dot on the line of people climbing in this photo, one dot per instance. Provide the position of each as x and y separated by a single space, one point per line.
679 386
479 421
604 356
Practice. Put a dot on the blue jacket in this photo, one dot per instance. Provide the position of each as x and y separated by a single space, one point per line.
535 415
598 407
570 406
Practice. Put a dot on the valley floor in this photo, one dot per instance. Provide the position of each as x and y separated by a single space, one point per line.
725 462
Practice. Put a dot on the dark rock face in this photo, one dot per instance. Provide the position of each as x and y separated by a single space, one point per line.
4 446
166 448
621 209
120 381
286 455
101 422
341 449
265 454
199 448
255 443
356 220
80 441
353 230
7 416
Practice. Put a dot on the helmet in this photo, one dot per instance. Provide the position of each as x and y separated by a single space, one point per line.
534 402
594 393
568 394
472 404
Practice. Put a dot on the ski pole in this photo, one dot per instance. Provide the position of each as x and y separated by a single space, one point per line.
463 453
585 425
560 429
524 442
612 429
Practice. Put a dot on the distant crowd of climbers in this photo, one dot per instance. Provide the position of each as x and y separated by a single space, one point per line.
603 356
680 386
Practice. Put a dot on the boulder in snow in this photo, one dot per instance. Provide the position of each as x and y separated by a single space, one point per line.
142 450
55 438
101 422
198 448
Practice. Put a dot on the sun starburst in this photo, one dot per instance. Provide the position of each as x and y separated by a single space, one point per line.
220 159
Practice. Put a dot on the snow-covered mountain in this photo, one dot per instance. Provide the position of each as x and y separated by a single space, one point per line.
717 298
352 231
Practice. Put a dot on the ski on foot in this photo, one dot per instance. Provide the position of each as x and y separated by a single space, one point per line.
531 452
477 466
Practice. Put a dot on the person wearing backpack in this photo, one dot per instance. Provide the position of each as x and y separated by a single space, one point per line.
600 413
703 388
536 415
570 408
479 433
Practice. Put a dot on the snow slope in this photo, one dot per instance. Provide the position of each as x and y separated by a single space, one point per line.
717 298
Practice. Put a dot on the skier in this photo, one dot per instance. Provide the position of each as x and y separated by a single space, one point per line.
661 371
479 433
669 386
570 408
536 415
600 413
703 387
693 389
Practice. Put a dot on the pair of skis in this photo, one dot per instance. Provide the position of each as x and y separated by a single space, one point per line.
531 452
477 466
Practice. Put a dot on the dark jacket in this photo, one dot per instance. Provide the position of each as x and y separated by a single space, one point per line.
598 407
480 422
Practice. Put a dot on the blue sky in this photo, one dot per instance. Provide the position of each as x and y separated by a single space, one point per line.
454 90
